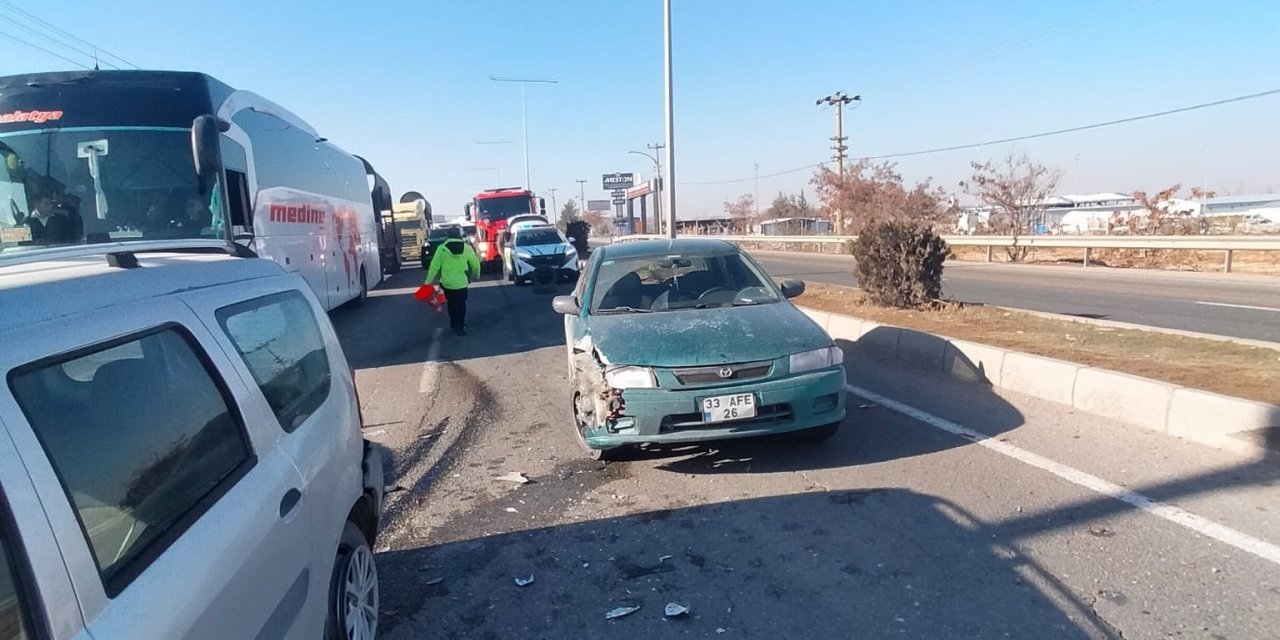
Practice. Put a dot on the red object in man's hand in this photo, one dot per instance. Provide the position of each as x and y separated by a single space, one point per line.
431 295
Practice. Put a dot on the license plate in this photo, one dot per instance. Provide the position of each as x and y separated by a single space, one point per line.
724 408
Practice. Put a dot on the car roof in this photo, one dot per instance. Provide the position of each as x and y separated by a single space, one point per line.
541 227
33 292
647 248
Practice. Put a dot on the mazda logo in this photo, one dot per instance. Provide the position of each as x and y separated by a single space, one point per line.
726 372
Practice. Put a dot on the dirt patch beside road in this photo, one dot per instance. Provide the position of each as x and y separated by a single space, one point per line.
1223 367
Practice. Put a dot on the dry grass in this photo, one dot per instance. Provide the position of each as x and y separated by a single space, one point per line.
1262 262
1223 367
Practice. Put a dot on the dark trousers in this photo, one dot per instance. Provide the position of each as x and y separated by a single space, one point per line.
456 301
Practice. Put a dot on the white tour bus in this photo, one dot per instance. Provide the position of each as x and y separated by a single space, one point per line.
146 160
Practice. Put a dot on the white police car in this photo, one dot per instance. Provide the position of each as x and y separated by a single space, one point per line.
541 255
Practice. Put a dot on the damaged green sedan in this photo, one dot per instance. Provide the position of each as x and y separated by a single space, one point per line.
689 340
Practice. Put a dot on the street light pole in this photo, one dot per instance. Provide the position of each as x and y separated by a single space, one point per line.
669 193
582 194
524 117
657 183
555 211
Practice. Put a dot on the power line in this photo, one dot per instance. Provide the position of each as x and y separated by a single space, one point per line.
45 23
1045 134
36 46
48 38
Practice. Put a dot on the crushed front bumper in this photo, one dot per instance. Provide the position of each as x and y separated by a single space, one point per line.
787 404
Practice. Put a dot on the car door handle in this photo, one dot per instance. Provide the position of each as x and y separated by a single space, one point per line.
290 501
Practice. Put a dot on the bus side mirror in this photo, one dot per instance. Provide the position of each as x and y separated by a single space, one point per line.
204 150
466 211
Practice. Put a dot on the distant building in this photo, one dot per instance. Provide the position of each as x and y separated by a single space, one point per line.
794 227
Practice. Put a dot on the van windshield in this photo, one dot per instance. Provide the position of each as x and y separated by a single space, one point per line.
92 185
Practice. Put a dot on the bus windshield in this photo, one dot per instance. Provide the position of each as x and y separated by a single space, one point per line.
503 208
92 185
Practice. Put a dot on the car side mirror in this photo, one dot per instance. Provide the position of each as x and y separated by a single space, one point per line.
565 305
792 288
572 240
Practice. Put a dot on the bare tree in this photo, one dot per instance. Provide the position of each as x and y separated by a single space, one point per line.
871 193
742 211
1163 214
1016 189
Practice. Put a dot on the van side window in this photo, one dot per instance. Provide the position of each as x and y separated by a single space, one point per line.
15 609
148 446
280 342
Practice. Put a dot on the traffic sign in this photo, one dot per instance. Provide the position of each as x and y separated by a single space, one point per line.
619 180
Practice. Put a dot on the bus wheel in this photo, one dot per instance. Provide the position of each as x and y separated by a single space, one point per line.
358 301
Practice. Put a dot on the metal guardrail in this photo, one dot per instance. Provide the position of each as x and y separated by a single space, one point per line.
1226 244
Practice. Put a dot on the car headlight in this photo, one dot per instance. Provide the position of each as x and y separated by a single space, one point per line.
630 378
816 359
523 255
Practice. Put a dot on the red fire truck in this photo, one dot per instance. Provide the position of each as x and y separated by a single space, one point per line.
490 210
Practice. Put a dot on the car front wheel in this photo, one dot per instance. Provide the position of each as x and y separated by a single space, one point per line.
353 589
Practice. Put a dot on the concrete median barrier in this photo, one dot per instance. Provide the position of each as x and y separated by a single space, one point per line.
1243 426
1039 377
1138 401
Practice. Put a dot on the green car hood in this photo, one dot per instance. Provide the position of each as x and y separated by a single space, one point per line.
698 337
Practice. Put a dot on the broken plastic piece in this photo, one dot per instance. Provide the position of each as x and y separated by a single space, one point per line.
618 612
663 558
433 581
524 582
511 510
514 476
674 609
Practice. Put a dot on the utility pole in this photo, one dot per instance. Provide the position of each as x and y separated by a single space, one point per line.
554 208
524 117
757 198
839 100
669 111
582 195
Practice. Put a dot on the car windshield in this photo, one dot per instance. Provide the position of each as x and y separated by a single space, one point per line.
535 237
675 281
502 208
86 185
438 234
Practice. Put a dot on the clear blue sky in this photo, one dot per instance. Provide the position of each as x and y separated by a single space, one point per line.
406 84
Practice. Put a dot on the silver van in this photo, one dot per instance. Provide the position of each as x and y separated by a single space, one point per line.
180 454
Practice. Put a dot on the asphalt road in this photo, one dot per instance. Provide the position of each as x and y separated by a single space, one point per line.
1236 305
896 527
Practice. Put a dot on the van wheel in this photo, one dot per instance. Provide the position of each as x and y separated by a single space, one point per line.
353 589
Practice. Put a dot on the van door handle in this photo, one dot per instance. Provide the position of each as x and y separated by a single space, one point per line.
290 501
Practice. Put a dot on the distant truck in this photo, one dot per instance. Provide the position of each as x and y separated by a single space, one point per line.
490 210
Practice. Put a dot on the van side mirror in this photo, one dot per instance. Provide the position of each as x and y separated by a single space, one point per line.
565 305
792 288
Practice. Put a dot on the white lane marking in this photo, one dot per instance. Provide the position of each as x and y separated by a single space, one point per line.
431 368
1238 306
1203 526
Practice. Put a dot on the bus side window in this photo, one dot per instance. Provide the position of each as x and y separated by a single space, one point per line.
238 199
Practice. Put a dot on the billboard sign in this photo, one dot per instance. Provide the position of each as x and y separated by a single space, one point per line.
619 181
